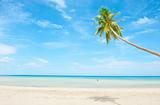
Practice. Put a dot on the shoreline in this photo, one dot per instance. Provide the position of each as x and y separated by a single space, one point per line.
79 88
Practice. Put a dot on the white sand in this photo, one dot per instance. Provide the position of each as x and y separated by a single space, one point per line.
73 96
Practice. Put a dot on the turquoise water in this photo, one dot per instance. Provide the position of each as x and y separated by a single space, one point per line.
81 81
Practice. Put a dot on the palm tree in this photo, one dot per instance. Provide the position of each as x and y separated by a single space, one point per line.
106 23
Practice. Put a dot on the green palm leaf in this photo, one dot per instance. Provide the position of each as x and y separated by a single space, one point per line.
105 21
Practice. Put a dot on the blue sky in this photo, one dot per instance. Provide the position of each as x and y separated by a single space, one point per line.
57 37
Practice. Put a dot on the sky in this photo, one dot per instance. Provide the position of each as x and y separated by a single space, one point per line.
57 37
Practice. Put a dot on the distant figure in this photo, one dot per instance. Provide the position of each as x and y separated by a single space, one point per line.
97 80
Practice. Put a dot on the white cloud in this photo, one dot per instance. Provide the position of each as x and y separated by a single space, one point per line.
48 24
124 64
102 41
129 37
72 10
13 12
103 60
36 63
114 66
56 45
6 59
122 46
115 63
145 31
7 49
143 21
82 28
32 64
66 16
119 64
44 61
63 13
60 5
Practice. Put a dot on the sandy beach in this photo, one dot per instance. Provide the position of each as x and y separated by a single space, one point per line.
10 95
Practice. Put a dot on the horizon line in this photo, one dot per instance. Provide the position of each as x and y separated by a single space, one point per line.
51 75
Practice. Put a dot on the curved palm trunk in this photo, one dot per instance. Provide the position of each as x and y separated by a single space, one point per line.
139 47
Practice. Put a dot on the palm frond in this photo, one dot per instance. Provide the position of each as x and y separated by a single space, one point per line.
100 31
105 21
108 37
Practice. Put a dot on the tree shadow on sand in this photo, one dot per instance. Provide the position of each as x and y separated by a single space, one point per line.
105 99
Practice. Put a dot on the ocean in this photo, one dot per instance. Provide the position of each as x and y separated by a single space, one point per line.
80 81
